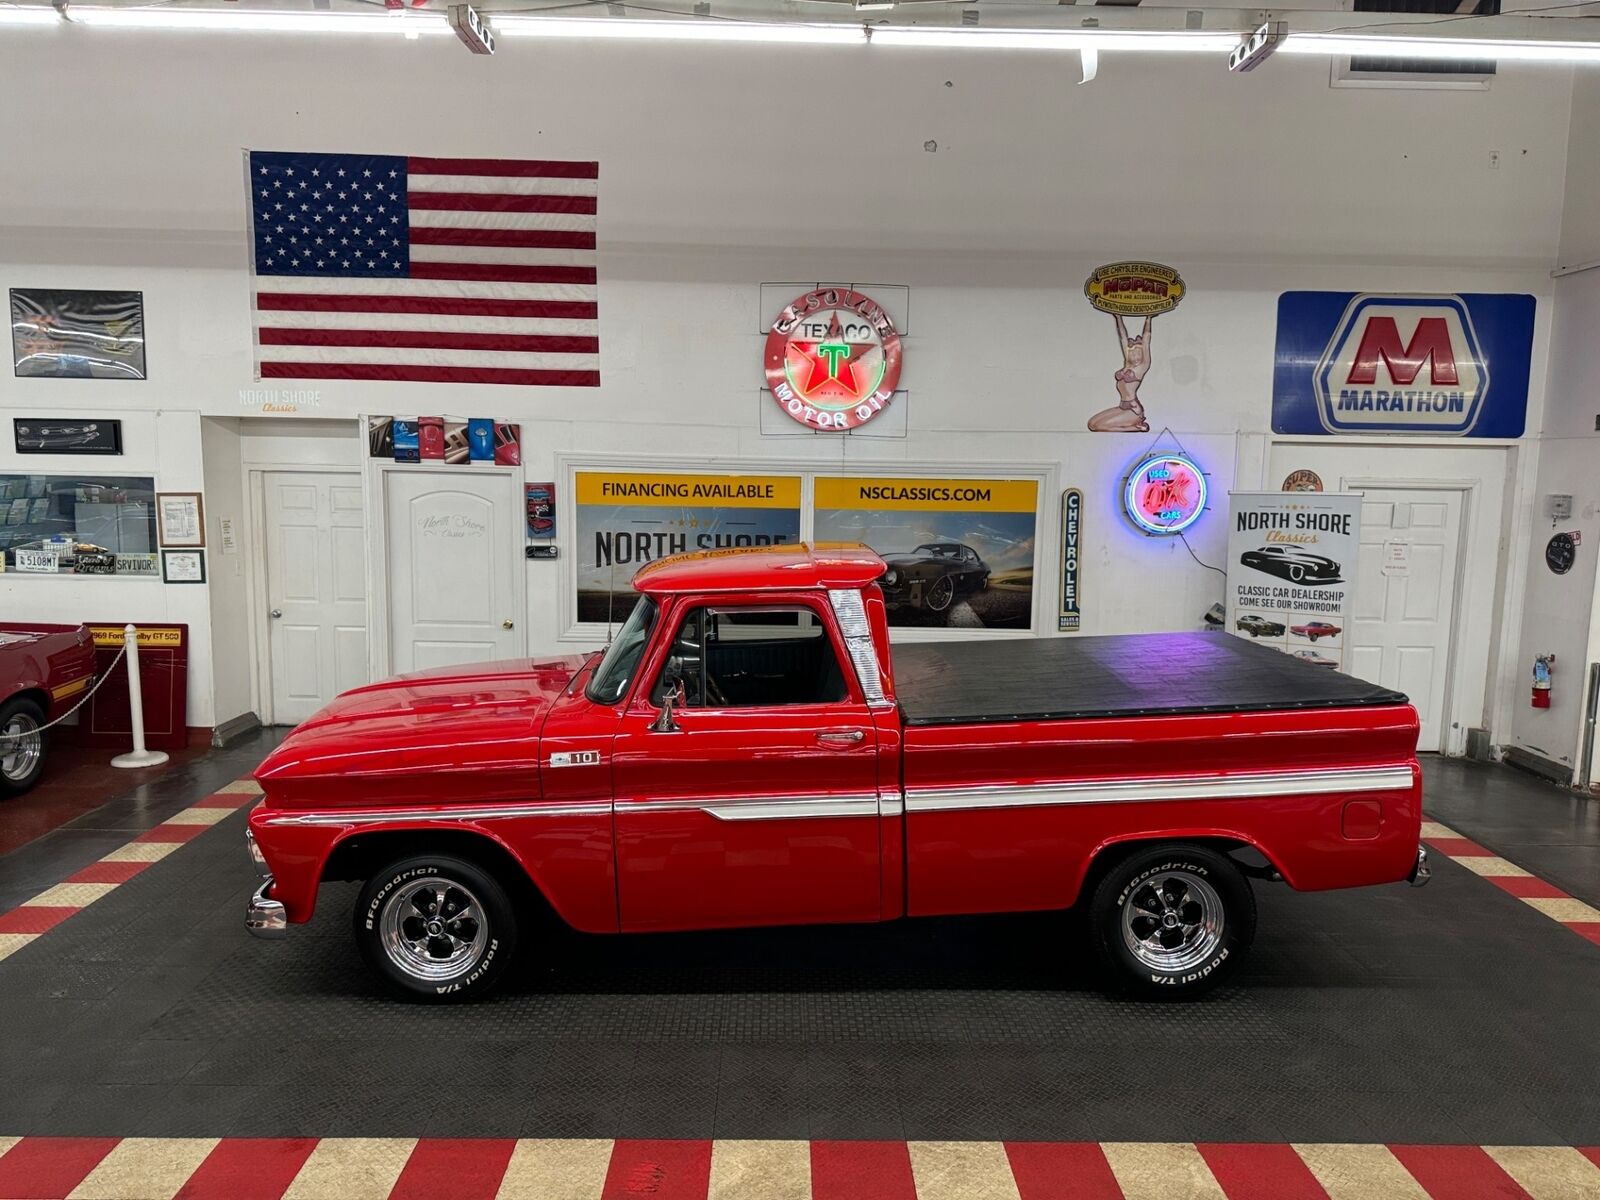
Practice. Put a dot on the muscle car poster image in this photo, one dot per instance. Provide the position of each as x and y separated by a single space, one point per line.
960 551
627 519
1292 563
77 334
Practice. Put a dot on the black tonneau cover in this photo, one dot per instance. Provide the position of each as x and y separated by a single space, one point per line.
1127 675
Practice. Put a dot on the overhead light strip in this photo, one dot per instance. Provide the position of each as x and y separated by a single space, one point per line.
412 24
1440 49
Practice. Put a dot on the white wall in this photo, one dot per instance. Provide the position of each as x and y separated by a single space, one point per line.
725 167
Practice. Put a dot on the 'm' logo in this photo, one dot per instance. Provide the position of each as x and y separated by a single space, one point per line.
1409 364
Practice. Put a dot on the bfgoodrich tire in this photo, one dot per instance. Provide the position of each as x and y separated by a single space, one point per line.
1172 921
436 928
22 753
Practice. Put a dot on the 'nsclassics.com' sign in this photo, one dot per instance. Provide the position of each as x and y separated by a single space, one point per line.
1439 365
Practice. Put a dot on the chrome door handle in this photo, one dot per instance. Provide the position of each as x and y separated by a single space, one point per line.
841 737
276 613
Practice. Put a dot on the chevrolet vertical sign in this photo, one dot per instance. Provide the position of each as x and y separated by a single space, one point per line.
1386 363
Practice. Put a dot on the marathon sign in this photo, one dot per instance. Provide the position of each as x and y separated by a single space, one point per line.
1382 363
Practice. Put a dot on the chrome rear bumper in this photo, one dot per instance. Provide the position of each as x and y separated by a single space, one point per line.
1420 874
264 917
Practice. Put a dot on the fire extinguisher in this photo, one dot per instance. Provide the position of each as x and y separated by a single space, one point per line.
1543 664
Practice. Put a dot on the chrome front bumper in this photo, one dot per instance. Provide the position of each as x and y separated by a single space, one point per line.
1420 874
264 916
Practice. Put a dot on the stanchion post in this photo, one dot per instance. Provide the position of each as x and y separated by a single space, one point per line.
140 757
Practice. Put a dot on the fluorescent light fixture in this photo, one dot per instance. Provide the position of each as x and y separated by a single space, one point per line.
514 25
1440 49
1054 39
874 5
410 25
39 15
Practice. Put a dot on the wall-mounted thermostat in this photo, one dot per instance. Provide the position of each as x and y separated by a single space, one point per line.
1557 506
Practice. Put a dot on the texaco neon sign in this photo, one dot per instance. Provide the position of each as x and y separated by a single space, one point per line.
833 359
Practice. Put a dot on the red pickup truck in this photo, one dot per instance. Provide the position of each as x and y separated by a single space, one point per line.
748 752
44 669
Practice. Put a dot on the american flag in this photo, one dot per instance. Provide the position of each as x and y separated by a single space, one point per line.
436 270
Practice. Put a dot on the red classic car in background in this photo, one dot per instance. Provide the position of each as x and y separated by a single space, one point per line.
1312 630
747 751
43 670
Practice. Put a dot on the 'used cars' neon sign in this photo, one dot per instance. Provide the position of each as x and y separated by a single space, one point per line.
1164 493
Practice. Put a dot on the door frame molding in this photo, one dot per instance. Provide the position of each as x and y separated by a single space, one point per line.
1454 739
256 581
375 487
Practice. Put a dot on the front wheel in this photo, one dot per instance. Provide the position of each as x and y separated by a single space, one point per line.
1172 920
436 928
941 594
22 746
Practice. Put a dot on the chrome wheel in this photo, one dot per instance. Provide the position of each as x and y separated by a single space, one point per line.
22 748
1173 921
941 593
434 929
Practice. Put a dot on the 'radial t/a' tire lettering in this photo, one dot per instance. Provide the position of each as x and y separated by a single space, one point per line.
436 928
1172 920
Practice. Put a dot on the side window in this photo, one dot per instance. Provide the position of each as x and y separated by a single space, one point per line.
750 658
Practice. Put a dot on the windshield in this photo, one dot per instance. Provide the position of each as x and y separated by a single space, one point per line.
616 669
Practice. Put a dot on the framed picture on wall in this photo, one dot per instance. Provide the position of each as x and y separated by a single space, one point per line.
183 566
66 435
68 334
180 518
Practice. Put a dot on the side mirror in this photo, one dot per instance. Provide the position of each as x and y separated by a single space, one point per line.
665 723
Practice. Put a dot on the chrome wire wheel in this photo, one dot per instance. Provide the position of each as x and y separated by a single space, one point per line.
434 929
22 748
1173 921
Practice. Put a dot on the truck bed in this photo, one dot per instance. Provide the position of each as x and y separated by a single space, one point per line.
1126 675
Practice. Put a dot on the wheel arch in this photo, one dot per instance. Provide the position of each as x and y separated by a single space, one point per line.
1113 850
36 693
361 853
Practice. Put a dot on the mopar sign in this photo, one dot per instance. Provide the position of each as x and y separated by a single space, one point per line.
1379 363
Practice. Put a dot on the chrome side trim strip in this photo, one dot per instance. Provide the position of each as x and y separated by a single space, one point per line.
1164 787
761 808
372 816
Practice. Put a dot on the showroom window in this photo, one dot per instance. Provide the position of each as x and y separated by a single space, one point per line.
752 658
78 525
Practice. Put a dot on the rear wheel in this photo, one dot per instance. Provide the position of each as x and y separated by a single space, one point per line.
23 746
1172 920
436 927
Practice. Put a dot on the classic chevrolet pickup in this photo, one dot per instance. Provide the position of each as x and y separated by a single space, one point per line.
747 752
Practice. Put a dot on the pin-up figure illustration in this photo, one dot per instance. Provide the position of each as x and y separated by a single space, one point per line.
1142 291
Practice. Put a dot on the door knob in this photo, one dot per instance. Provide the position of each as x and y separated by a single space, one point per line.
276 613
505 624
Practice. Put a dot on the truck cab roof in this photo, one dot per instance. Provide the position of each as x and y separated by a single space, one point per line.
788 567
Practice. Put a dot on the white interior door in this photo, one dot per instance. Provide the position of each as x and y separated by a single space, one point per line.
1405 596
316 589
454 538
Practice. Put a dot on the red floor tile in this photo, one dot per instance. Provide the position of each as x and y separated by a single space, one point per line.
1588 929
1062 1171
108 872
248 1169
45 1168
1458 1173
34 918
454 1169
1458 848
1527 886
76 780
850 1170
1261 1172
678 1170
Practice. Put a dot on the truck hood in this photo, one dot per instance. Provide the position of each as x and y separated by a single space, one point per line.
373 745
